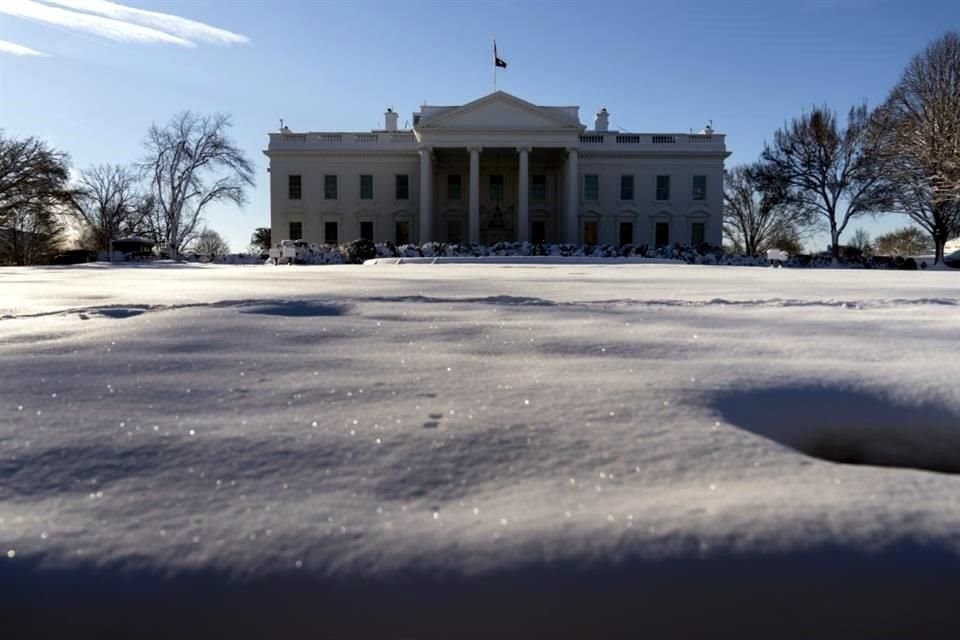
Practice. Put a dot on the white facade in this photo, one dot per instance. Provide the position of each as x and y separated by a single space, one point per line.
498 168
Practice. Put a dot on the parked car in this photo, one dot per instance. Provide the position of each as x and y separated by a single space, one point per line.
74 256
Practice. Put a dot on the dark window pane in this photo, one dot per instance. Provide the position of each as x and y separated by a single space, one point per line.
662 234
589 233
453 231
663 187
538 188
699 187
366 187
330 233
453 187
626 233
296 230
294 191
698 233
366 229
538 232
329 187
591 187
402 232
403 187
626 187
496 188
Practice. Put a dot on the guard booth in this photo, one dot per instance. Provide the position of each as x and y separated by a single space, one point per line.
131 249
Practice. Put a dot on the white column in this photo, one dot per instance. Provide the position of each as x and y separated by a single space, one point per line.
426 199
474 213
523 195
572 184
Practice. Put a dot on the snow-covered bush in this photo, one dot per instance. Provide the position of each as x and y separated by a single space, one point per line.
360 250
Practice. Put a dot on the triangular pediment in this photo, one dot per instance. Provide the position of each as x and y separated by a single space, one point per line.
500 110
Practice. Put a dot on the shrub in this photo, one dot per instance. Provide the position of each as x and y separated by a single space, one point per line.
360 250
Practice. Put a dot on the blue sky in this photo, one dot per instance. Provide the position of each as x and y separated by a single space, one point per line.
656 66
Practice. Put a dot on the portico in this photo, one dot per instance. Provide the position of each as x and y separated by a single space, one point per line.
482 194
498 134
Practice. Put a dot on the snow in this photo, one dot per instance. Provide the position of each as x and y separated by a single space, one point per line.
477 450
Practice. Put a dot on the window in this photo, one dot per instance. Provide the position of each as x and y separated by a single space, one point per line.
699 187
626 233
591 187
589 233
662 234
626 188
366 230
663 187
402 232
366 187
453 231
496 188
538 188
294 190
453 187
330 233
403 187
538 232
296 230
698 233
329 187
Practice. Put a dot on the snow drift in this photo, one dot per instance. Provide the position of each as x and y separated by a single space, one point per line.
436 451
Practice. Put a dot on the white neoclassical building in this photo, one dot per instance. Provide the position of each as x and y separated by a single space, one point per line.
498 168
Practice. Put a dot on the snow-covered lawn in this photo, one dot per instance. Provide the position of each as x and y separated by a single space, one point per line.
450 451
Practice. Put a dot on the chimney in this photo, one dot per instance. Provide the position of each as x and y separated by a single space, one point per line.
390 120
602 121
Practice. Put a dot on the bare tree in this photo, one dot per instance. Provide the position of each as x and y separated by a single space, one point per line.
861 241
33 196
919 133
834 171
757 210
191 163
109 204
209 243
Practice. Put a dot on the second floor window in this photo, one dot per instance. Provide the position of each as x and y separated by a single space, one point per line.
663 187
591 187
366 187
699 187
496 188
329 187
403 187
453 187
538 188
626 188
294 191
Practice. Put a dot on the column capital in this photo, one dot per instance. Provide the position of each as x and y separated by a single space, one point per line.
571 150
477 148
425 149
524 149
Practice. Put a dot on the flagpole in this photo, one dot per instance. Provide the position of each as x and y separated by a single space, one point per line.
494 65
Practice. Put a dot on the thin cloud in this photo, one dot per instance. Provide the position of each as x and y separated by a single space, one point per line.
169 23
97 25
15 49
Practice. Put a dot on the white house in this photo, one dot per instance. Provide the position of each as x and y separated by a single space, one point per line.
497 168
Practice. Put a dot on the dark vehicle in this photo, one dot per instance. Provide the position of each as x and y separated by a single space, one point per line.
74 256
